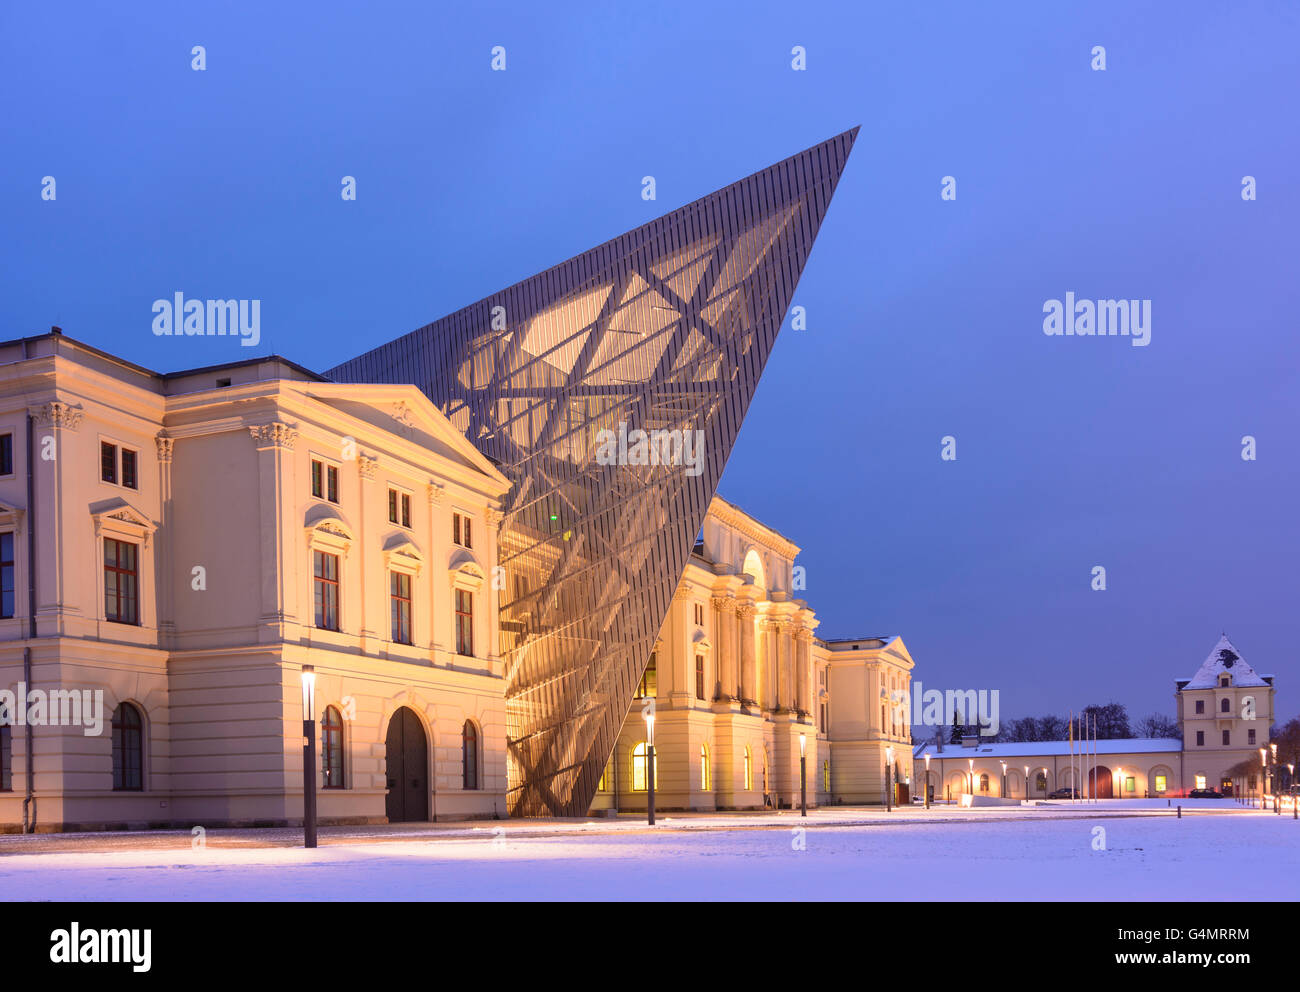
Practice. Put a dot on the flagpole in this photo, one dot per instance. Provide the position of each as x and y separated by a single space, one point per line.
1073 779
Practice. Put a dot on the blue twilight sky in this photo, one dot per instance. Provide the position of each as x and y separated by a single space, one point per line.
925 316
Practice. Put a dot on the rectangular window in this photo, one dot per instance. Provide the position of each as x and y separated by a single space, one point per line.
325 569
699 676
1161 783
822 725
107 462
399 593
699 615
1130 784
1200 781
460 530
649 680
399 508
324 480
7 574
128 469
121 582
1226 738
1250 734
1200 706
1200 738
464 623
6 454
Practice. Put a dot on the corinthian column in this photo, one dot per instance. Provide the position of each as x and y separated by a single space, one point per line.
725 665
748 674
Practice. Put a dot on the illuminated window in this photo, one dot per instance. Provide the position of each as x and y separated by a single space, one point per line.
1161 783
649 680
603 784
121 582
332 748
638 768
399 600
465 622
826 776
1200 781
706 779
1130 784
325 570
749 770
984 783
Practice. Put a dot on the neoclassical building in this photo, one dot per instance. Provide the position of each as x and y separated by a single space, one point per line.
176 549
740 683
1224 713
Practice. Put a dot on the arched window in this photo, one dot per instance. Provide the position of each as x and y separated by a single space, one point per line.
469 754
6 759
1224 706
706 780
331 739
128 749
639 769
984 783
749 770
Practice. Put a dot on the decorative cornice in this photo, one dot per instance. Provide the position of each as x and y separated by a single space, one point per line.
165 445
274 435
59 415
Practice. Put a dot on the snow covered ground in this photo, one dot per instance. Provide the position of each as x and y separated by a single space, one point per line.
1032 853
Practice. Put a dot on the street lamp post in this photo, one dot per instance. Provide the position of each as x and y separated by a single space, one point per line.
970 779
308 756
889 779
1273 783
803 775
1026 783
1263 772
650 767
927 780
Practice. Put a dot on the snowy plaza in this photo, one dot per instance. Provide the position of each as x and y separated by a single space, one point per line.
1107 851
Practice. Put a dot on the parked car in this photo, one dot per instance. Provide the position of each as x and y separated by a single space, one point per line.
1204 794
1066 793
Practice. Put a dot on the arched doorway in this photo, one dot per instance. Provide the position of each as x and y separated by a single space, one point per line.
408 768
1101 784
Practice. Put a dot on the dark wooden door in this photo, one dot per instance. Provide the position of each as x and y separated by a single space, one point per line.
1100 782
408 769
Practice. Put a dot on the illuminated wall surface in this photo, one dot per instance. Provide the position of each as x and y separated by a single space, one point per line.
665 328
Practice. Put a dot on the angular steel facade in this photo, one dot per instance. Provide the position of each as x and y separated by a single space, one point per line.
666 328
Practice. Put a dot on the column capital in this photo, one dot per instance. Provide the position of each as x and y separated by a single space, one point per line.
165 446
57 414
273 435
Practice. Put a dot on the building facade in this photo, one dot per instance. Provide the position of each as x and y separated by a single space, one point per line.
175 549
741 688
1224 713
